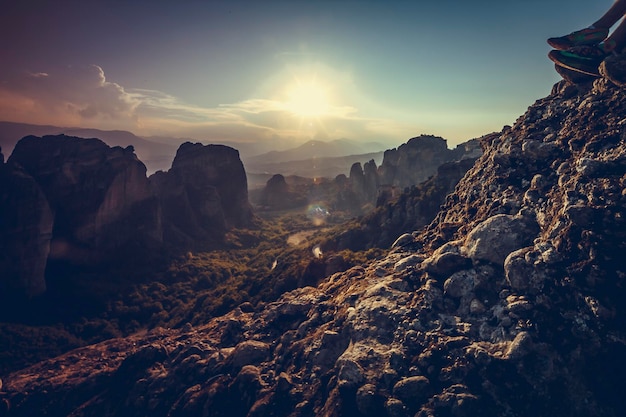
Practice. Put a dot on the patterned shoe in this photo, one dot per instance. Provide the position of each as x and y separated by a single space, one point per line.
584 59
587 36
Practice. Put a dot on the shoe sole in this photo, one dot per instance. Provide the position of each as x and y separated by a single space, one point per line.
556 58
564 47
574 77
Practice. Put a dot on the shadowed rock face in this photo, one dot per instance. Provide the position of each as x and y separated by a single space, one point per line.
26 223
72 199
277 195
438 327
396 215
410 164
221 167
419 158
204 193
80 201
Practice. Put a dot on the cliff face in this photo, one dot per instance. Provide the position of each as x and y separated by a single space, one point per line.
80 201
419 158
204 193
72 199
26 222
410 164
510 303
411 210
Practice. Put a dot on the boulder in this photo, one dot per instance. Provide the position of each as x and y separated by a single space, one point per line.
495 238
249 352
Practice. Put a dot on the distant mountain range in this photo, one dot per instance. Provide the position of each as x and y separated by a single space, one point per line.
314 149
156 156
311 159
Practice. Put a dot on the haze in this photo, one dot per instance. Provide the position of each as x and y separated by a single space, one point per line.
281 72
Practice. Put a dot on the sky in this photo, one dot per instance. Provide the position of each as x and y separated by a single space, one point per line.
281 72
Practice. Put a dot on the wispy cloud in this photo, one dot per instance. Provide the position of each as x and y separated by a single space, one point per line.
82 96
75 95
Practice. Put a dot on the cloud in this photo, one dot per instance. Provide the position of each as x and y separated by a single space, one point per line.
82 96
79 94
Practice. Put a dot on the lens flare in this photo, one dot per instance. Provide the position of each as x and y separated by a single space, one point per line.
318 214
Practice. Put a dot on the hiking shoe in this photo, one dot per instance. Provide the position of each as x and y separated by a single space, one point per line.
587 36
574 77
585 59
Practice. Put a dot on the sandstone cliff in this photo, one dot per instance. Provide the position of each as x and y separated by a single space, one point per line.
71 199
510 303
419 158
395 215
77 201
203 194
410 164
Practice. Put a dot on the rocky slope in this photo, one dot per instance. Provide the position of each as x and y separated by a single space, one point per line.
510 303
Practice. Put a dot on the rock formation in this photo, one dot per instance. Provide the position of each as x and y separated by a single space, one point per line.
71 199
277 195
419 158
410 164
81 202
404 213
510 303
26 222
203 194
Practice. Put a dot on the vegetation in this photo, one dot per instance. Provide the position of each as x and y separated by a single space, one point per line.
84 307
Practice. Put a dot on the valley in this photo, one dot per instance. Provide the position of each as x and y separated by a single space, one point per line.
178 274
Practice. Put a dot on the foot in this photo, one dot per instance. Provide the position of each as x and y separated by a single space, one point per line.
584 59
587 36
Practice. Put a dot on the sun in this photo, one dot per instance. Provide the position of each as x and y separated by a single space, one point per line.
308 99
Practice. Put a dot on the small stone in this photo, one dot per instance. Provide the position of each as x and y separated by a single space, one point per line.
283 382
412 390
405 263
403 240
249 352
395 408
520 346
476 307
459 284
350 374
368 402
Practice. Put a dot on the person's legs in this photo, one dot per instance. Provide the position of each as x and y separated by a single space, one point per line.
593 34
617 40
615 13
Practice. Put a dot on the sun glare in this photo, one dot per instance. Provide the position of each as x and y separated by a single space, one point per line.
308 100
